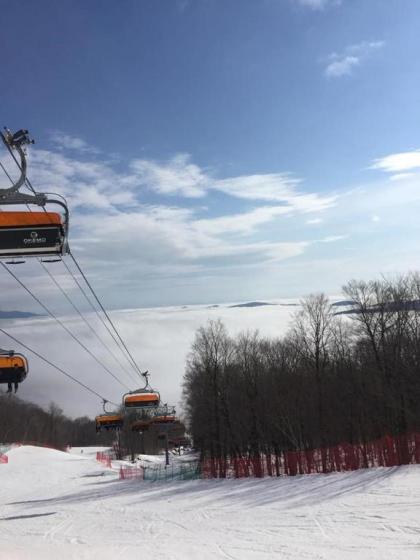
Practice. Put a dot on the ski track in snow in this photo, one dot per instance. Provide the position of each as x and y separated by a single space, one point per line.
56 505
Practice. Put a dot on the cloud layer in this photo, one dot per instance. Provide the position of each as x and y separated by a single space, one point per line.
159 339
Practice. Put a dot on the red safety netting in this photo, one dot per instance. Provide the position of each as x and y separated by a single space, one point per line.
388 451
127 473
104 458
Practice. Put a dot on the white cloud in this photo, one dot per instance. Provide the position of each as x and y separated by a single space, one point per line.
177 176
91 184
318 4
278 187
65 141
241 223
164 236
114 228
333 238
399 162
270 186
401 176
96 185
343 64
138 251
365 47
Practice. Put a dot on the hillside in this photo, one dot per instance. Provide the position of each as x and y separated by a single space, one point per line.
67 506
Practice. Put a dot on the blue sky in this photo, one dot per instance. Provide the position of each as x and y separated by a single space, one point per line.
217 150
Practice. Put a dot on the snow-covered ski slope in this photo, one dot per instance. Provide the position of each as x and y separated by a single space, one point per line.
60 506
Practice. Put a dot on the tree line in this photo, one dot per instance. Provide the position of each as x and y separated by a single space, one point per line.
335 377
25 422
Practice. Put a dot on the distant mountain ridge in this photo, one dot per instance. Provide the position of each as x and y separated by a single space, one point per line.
392 306
251 304
261 304
342 303
17 314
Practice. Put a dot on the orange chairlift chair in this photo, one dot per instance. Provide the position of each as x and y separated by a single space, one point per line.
109 420
25 233
13 369
142 398
165 415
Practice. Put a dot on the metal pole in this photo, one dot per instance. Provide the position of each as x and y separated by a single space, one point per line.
119 454
166 447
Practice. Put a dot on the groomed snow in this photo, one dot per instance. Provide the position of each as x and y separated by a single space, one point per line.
60 506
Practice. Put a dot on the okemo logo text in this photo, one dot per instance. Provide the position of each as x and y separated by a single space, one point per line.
34 239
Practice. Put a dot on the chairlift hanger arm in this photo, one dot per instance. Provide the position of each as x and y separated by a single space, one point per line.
16 141
147 387
146 376
13 197
104 403
12 194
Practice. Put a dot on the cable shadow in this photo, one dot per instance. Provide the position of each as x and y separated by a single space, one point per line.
286 492
29 516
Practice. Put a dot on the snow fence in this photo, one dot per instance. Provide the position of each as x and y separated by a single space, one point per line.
174 471
388 451
104 458
131 472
